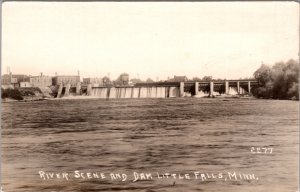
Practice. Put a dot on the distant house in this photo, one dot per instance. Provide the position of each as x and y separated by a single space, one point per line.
178 79
40 81
25 84
66 79
97 81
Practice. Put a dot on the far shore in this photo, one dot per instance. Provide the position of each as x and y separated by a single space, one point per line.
83 97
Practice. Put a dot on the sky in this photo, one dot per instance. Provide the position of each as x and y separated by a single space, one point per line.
147 39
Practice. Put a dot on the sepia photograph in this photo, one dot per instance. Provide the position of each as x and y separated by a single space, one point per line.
150 96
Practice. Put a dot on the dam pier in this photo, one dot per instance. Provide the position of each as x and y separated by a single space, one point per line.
161 89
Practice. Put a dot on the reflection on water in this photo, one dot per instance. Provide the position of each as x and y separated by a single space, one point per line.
176 135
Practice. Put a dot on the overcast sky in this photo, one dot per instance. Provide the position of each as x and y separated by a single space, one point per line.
150 39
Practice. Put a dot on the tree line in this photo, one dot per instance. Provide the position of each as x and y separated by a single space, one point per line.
279 81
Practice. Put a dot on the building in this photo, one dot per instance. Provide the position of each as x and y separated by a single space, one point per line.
21 78
66 79
8 79
40 81
13 80
94 81
25 84
124 79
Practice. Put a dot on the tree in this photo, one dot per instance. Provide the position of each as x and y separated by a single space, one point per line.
263 74
279 81
207 78
106 80
11 93
149 80
196 79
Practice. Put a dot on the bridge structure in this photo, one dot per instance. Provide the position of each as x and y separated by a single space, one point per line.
64 89
244 86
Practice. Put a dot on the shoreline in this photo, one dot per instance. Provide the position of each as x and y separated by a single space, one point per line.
83 97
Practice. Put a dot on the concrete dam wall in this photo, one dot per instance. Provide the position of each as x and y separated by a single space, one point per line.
161 89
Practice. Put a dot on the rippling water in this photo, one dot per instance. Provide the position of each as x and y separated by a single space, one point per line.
180 135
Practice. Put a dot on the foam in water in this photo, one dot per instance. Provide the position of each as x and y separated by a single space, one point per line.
160 92
112 93
148 95
100 92
173 92
135 92
153 92
143 92
122 92
202 94
243 91
148 92
232 91
128 92
187 94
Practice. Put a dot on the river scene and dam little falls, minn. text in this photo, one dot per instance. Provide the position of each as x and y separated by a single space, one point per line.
170 144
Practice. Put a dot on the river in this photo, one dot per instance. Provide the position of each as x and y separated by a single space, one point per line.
223 139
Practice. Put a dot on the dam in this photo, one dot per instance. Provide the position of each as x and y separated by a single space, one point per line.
162 89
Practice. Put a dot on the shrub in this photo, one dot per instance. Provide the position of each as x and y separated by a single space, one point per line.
279 81
11 93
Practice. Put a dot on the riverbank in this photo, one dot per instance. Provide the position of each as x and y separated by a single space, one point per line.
9 100
24 94
85 97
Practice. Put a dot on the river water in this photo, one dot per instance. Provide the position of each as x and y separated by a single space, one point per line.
222 138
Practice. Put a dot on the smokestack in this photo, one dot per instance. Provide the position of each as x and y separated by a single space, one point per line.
10 77
42 74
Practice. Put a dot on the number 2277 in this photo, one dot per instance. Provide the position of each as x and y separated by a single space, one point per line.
257 150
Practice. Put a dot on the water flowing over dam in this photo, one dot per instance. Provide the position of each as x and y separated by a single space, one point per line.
134 92
162 89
